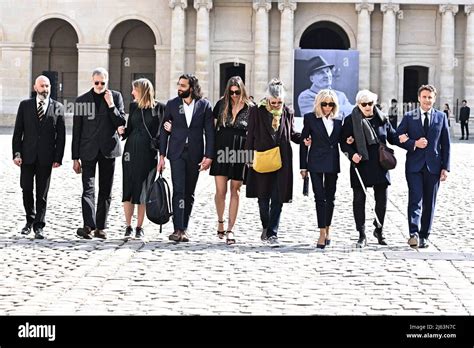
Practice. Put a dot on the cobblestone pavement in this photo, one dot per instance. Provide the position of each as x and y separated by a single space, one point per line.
67 275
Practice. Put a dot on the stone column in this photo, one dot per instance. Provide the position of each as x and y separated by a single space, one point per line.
388 66
15 75
202 43
90 57
469 57
363 43
162 61
177 53
287 9
261 8
446 87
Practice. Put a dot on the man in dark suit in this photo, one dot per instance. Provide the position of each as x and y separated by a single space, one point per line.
424 133
38 146
191 117
97 116
464 118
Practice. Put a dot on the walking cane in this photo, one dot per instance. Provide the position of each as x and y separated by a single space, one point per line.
379 225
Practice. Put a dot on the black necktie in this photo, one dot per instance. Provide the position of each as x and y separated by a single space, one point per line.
40 110
426 123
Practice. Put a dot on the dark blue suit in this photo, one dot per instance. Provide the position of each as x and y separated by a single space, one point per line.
185 158
423 166
322 163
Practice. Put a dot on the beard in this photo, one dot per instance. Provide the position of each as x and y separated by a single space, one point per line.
184 94
43 95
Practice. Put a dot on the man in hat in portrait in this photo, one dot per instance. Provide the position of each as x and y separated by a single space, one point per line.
320 74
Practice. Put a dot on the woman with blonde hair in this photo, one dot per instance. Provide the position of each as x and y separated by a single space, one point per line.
231 113
139 159
324 127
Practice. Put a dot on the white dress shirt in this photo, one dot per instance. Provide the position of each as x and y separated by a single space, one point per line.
45 105
329 124
188 111
423 116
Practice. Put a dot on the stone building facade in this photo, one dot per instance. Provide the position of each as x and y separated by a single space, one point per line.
401 43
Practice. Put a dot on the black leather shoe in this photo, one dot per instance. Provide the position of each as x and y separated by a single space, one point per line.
462 138
128 232
362 241
100 234
139 233
39 233
424 243
26 230
84 232
379 235
263 236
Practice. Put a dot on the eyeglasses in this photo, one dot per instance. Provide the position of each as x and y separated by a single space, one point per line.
276 103
331 104
365 104
237 92
99 82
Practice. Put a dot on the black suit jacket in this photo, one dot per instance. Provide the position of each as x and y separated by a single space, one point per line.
202 121
324 152
464 113
39 140
96 130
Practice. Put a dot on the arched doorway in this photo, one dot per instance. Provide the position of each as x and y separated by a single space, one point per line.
325 35
55 55
227 70
132 56
413 77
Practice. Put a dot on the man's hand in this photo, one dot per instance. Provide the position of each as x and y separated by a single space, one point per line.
403 138
205 164
18 161
121 130
356 158
161 165
304 173
56 165
109 98
444 175
77 166
421 143
168 126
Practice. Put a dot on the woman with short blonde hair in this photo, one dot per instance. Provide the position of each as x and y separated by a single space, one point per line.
322 162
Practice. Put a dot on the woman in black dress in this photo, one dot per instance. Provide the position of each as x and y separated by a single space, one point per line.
231 114
139 160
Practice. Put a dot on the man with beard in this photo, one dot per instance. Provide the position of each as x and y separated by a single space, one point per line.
38 146
320 74
98 114
191 117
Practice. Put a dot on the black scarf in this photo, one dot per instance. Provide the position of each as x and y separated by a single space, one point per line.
364 133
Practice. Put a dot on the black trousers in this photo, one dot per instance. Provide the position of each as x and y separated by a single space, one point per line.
324 188
184 175
465 125
41 174
106 179
358 205
270 209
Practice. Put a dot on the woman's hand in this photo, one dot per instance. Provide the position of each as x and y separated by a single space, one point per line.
304 173
121 130
307 141
168 126
356 158
350 140
403 138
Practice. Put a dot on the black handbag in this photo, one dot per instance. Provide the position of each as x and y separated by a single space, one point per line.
154 141
306 185
387 157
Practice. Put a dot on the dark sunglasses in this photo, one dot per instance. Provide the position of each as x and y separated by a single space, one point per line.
276 103
331 104
98 82
365 104
234 92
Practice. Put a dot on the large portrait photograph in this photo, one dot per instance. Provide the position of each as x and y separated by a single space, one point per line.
325 69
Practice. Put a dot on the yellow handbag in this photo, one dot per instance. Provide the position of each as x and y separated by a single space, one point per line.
267 161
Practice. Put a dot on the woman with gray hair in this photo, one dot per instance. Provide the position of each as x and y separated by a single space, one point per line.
368 127
271 124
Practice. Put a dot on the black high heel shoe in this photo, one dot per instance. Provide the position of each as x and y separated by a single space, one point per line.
220 234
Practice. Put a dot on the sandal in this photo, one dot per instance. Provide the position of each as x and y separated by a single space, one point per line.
229 241
220 234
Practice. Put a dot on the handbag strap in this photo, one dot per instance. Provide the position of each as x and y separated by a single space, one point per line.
153 113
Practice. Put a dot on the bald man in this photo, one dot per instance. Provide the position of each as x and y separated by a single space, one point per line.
38 146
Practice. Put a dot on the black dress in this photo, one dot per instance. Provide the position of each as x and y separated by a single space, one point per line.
139 160
229 154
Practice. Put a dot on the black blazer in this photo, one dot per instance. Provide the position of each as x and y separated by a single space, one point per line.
324 152
96 130
202 120
34 139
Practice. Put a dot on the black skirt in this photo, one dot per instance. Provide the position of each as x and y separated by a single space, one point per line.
230 156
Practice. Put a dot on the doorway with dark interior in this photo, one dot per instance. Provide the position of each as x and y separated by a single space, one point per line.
227 70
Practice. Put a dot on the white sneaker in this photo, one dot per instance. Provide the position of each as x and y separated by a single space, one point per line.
273 241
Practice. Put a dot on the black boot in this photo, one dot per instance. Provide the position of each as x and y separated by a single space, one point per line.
379 234
362 241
